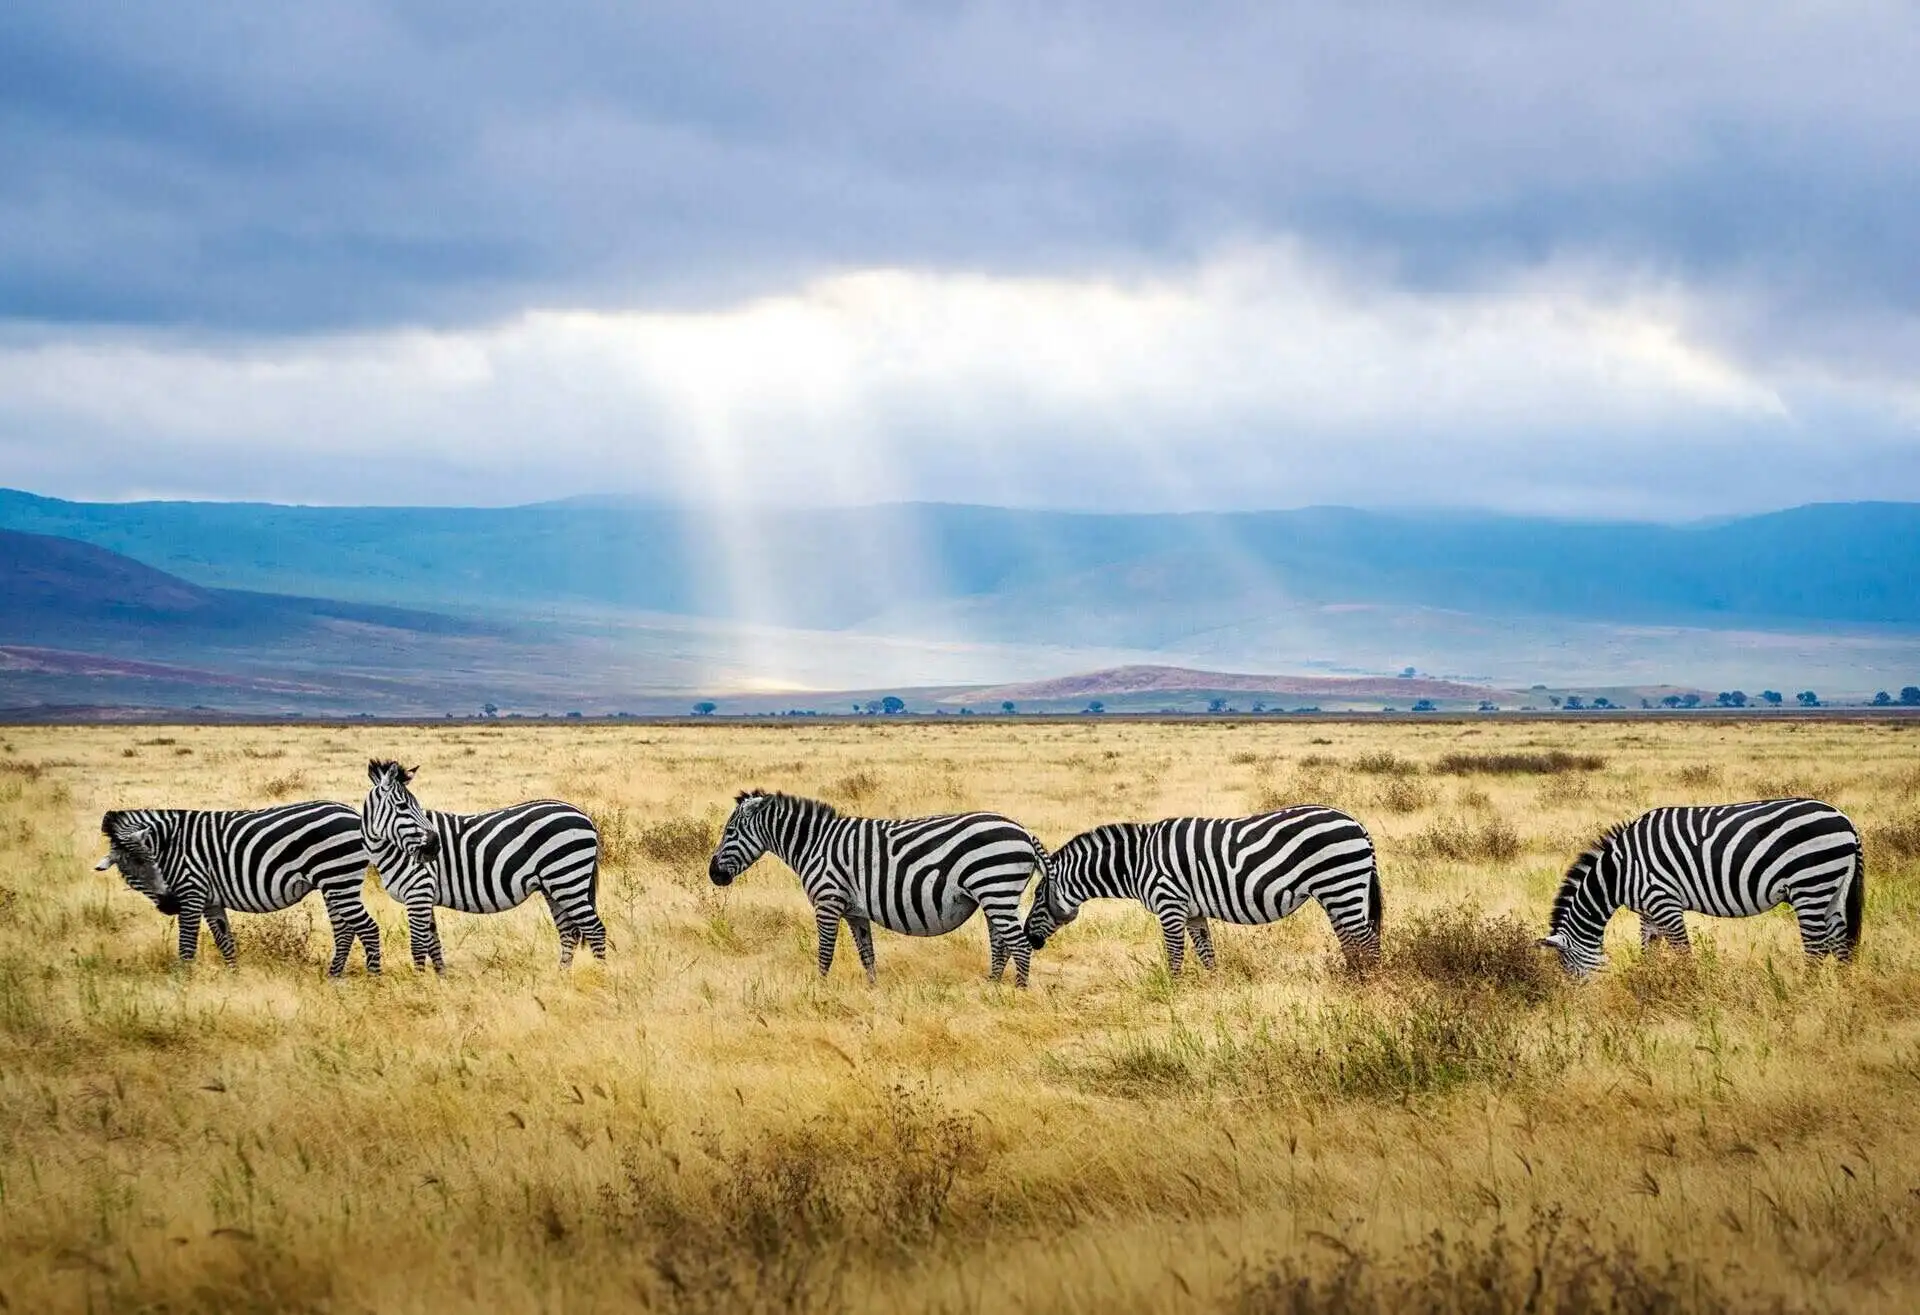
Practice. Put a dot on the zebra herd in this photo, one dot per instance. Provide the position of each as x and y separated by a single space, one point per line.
927 876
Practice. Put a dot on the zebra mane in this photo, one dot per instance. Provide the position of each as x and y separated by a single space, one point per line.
820 806
1569 884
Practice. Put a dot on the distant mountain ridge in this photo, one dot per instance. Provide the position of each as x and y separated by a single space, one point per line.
998 573
1146 679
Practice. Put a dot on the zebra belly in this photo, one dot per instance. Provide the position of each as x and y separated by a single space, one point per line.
486 897
930 912
269 899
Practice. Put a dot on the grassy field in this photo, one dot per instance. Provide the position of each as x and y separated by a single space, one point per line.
704 1124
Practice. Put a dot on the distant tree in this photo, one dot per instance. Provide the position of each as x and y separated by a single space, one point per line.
1096 706
1646 703
1216 705
966 712
1486 706
705 708
873 707
1773 697
1423 705
1808 699
1602 702
1009 707
489 709
1670 701
1259 706
575 713
1554 699
1910 696
893 704
1689 700
1574 704
1882 699
1406 673
1731 698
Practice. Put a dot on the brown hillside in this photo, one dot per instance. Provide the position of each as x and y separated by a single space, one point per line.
1156 680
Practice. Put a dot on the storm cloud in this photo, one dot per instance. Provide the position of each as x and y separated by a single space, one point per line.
1531 255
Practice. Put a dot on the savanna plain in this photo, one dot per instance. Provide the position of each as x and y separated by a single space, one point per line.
703 1123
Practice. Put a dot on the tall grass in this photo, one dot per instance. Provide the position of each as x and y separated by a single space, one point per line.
702 1123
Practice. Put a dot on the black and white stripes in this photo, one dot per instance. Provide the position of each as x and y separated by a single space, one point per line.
1187 870
201 865
483 862
923 876
1728 860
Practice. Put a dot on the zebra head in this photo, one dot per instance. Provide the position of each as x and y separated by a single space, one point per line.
1049 912
133 847
1582 907
744 839
393 818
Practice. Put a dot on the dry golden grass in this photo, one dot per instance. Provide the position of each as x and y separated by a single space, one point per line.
703 1124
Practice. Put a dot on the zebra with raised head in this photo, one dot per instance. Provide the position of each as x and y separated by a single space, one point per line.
923 876
483 862
202 864
1237 869
1727 860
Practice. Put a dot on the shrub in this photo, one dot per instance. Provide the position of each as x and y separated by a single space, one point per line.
1461 949
1551 763
284 786
854 787
1558 1266
276 937
1698 775
677 840
1487 841
1900 837
1403 794
1383 763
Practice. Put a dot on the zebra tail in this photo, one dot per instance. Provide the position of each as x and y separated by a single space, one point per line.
1856 897
1376 907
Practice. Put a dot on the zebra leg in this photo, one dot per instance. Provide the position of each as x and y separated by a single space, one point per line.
863 942
826 920
570 936
1814 920
350 919
191 905
222 933
1664 922
997 952
1173 931
1202 939
425 935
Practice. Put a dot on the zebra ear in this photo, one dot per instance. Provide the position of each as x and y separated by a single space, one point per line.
373 770
1554 942
406 774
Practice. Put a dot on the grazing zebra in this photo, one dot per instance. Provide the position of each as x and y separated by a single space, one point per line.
483 862
1239 869
1728 860
923 876
203 864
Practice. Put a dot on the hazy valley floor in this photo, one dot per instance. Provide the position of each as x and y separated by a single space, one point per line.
703 1123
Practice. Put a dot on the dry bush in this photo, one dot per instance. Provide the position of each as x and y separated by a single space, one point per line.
275 937
27 771
1557 1266
1461 949
1698 775
1554 762
675 841
1403 794
1382 762
1562 791
853 789
1899 837
284 786
1490 840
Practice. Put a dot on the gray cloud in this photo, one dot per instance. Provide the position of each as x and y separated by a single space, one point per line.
344 163
220 224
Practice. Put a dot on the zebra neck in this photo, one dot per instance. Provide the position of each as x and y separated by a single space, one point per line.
796 832
1594 901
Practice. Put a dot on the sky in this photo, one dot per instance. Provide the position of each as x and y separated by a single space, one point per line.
1620 260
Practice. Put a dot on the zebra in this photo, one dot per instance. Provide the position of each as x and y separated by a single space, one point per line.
200 864
1727 860
483 862
923 876
1238 869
